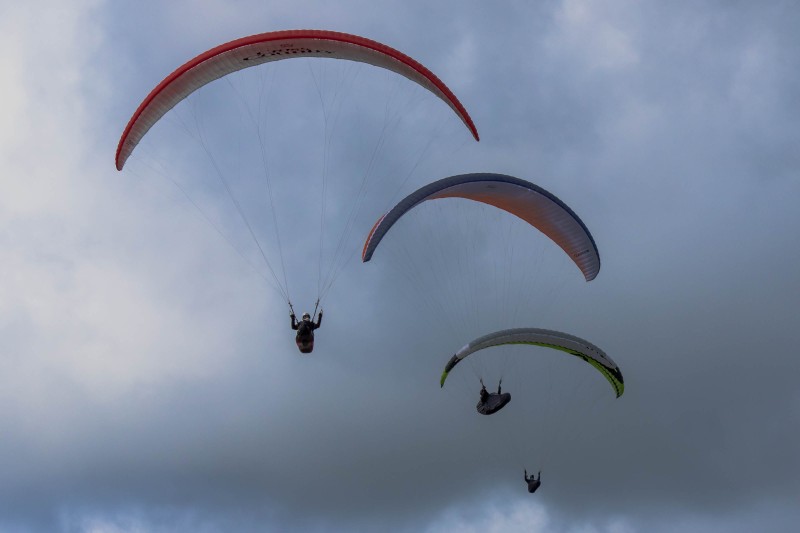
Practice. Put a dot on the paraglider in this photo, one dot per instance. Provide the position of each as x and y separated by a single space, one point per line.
275 46
533 481
491 402
521 198
305 331
258 49
563 342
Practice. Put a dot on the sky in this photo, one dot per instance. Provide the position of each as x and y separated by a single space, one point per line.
148 377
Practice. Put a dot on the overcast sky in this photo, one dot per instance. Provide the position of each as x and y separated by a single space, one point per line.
148 377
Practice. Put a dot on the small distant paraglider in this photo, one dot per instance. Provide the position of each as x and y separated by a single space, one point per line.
533 481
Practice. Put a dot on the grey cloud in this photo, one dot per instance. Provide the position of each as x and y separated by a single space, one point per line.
679 156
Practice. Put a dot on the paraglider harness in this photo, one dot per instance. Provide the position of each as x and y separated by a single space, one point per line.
491 402
305 329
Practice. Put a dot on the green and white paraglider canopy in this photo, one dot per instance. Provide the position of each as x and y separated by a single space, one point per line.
563 342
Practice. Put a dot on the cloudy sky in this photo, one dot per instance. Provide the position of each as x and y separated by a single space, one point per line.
148 377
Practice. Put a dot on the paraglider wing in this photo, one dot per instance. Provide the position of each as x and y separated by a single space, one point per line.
523 199
274 46
550 339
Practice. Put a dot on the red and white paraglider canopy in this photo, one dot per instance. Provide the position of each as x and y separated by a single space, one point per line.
275 46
